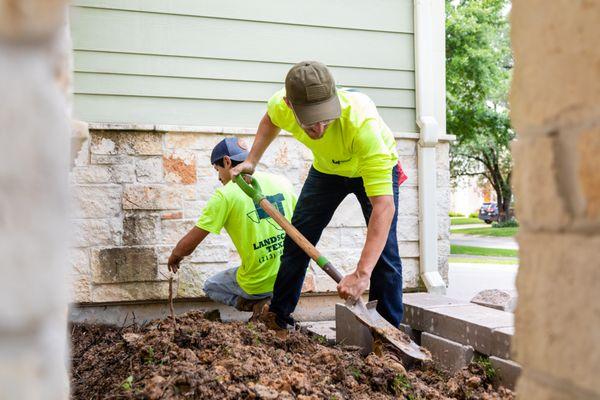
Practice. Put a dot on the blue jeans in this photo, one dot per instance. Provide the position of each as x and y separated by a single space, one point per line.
223 288
320 197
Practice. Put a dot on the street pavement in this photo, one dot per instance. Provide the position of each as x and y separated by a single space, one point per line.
466 280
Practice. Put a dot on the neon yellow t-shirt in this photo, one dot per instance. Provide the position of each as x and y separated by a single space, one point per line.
358 144
256 236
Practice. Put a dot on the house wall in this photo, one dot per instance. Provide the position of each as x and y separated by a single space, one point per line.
216 62
136 192
161 82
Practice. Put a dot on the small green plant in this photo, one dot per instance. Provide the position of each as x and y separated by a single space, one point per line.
400 383
511 223
127 383
488 368
355 372
474 215
149 358
320 339
455 214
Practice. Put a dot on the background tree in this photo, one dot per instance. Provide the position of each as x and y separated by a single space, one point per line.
478 65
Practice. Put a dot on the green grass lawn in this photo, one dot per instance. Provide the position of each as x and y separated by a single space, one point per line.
483 251
484 260
465 221
504 232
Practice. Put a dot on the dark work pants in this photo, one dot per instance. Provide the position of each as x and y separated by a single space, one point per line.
320 197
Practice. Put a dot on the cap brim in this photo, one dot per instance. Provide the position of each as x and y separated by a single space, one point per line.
309 114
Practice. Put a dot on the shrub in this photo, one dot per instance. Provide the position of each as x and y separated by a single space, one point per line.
474 215
455 214
511 223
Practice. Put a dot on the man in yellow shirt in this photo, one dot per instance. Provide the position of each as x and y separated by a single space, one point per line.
257 238
354 152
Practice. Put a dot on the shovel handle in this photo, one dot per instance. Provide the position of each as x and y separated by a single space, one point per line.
254 192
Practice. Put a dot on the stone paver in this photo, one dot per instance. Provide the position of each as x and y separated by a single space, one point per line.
507 372
451 355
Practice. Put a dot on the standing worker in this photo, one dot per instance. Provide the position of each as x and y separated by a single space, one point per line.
257 238
354 152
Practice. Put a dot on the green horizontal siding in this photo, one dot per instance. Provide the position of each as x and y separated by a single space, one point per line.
217 62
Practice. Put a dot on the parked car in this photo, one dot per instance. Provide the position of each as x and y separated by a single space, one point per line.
488 212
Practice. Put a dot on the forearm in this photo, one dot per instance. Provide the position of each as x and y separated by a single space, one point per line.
265 134
377 233
188 243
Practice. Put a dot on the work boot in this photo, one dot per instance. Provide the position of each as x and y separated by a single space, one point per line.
269 318
245 305
257 308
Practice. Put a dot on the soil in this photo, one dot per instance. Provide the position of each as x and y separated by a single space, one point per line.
205 358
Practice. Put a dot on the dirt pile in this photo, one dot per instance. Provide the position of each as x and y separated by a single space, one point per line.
215 360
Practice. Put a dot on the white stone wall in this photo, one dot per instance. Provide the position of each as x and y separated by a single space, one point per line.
136 193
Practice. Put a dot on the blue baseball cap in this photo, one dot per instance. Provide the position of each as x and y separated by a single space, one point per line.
234 148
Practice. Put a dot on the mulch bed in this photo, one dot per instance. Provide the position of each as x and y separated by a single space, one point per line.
199 358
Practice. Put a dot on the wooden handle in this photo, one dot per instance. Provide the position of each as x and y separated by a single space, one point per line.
301 241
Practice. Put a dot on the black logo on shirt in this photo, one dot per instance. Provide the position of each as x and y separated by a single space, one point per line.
337 162
259 214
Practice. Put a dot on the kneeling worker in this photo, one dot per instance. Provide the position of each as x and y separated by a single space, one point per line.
257 238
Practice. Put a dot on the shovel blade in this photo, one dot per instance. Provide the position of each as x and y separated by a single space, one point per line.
367 315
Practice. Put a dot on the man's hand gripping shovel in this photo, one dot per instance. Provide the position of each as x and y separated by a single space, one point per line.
366 314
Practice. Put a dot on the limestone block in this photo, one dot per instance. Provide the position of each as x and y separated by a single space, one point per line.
408 228
495 298
125 142
173 230
94 232
452 356
189 140
80 274
412 178
180 167
331 238
353 237
410 272
193 209
554 42
120 173
97 201
408 162
443 201
111 159
123 264
130 291
408 249
443 226
543 208
589 172
149 169
90 174
309 284
443 177
151 197
189 192
406 147
210 254
442 156
557 283
348 213
408 201
171 215
141 228
206 186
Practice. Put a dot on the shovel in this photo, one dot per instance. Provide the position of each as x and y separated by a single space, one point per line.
364 313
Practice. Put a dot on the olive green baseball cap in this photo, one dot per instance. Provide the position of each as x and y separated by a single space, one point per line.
310 87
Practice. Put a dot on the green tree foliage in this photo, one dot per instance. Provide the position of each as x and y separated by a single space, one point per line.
478 68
